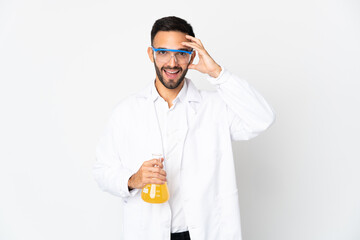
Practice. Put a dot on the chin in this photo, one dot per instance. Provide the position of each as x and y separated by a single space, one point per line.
171 84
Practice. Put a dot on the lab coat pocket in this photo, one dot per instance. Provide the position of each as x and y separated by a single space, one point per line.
212 222
229 214
133 216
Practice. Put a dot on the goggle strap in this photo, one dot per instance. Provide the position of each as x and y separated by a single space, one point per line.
171 50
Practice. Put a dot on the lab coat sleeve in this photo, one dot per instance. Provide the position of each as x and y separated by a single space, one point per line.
247 111
109 172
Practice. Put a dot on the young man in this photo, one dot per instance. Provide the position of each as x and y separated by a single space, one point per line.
193 130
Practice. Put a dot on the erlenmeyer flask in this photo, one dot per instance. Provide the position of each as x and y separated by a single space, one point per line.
155 193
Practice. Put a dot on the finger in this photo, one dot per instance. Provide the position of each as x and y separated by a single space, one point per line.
157 175
151 175
162 172
155 181
153 162
148 170
155 170
191 44
194 39
159 163
195 46
149 163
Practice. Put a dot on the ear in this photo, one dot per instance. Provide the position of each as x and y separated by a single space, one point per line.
193 55
150 53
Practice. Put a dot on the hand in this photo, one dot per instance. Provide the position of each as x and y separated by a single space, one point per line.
206 64
150 172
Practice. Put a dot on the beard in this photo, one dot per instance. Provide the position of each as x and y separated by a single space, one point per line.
170 84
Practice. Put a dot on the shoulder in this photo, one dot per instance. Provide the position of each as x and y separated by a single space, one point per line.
209 95
203 96
125 108
133 101
211 98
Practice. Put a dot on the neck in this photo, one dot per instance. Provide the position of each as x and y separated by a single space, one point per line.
168 94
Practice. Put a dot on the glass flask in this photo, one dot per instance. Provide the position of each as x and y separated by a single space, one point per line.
155 193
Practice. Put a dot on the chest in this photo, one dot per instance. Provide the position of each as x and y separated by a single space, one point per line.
151 129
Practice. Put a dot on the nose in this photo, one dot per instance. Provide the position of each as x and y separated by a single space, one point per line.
173 61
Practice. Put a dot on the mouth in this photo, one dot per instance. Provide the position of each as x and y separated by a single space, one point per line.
172 73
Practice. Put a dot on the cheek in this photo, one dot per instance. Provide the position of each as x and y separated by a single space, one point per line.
185 67
158 66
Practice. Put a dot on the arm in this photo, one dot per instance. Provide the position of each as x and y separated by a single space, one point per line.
109 172
247 111
112 175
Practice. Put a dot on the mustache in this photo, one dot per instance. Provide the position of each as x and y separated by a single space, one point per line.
170 68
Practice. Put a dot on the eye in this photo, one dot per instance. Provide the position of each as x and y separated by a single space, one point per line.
162 52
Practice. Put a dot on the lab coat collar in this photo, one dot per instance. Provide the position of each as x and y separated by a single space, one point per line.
192 93
180 97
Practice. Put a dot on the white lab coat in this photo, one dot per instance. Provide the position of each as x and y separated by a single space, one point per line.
208 184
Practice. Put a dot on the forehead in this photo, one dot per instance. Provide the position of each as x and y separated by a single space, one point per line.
171 39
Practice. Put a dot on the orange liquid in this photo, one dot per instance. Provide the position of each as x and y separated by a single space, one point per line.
155 193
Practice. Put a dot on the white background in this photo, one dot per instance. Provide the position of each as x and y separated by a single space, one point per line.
65 64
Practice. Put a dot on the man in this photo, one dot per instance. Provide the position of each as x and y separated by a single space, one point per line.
193 130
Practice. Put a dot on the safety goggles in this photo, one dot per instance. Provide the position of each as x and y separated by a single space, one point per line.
163 55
